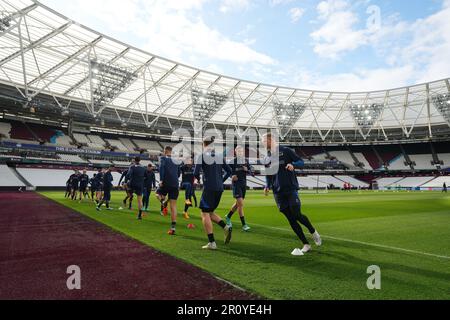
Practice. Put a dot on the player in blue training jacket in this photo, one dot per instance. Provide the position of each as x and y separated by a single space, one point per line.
169 173
136 176
241 168
285 187
215 172
107 188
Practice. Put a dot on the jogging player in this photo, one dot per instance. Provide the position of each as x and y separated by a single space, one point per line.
169 172
136 175
124 184
84 182
75 180
240 169
149 185
187 184
212 166
107 188
285 187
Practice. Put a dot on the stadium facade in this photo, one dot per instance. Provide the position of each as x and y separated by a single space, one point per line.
55 68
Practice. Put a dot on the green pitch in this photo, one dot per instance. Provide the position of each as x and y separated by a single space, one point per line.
406 234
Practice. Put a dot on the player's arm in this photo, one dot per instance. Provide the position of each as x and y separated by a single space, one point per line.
250 169
162 171
197 171
227 169
295 160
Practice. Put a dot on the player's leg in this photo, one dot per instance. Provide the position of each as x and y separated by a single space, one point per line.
209 229
173 215
226 228
140 205
284 204
188 202
304 220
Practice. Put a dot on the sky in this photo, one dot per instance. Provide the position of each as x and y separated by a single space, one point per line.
337 45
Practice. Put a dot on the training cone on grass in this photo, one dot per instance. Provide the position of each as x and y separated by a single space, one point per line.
191 226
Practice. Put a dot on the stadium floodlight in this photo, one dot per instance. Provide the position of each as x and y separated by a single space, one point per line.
5 22
442 104
287 116
206 103
108 81
366 115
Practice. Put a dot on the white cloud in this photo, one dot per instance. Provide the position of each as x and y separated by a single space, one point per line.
296 14
274 3
170 28
231 5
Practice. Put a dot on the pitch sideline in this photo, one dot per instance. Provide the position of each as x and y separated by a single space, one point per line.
366 244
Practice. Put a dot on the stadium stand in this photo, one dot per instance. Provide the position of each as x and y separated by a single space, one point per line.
309 183
398 164
387 182
329 180
100 162
60 139
151 146
362 159
354 182
117 144
423 161
96 141
445 158
8 178
413 182
438 182
81 139
128 144
71 158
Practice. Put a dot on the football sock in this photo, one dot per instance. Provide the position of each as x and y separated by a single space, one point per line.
222 224
174 225
186 208
243 221
230 214
211 238
140 214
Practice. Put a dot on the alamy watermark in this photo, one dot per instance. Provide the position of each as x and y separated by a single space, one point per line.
74 280
374 281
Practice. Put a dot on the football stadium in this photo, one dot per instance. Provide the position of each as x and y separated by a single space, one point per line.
108 191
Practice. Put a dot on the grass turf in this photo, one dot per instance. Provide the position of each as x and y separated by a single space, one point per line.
406 234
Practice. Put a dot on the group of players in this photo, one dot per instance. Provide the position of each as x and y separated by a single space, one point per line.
211 170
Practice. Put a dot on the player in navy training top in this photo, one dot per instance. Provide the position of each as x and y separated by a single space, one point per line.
84 182
75 181
285 187
187 184
99 185
213 166
107 188
241 168
124 184
169 172
149 185
136 175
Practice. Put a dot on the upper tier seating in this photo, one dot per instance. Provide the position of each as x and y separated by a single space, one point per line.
423 161
343 156
96 141
445 157
117 144
128 144
61 139
361 158
398 164
20 132
8 178
71 158
148 145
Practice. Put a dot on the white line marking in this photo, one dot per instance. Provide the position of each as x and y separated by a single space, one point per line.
366 244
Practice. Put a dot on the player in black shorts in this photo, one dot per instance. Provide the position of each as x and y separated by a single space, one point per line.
285 187
68 187
187 184
241 168
75 180
93 186
136 175
124 184
84 182
149 185
107 188
212 166
169 172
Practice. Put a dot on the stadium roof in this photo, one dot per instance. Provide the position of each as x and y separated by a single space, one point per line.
44 52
